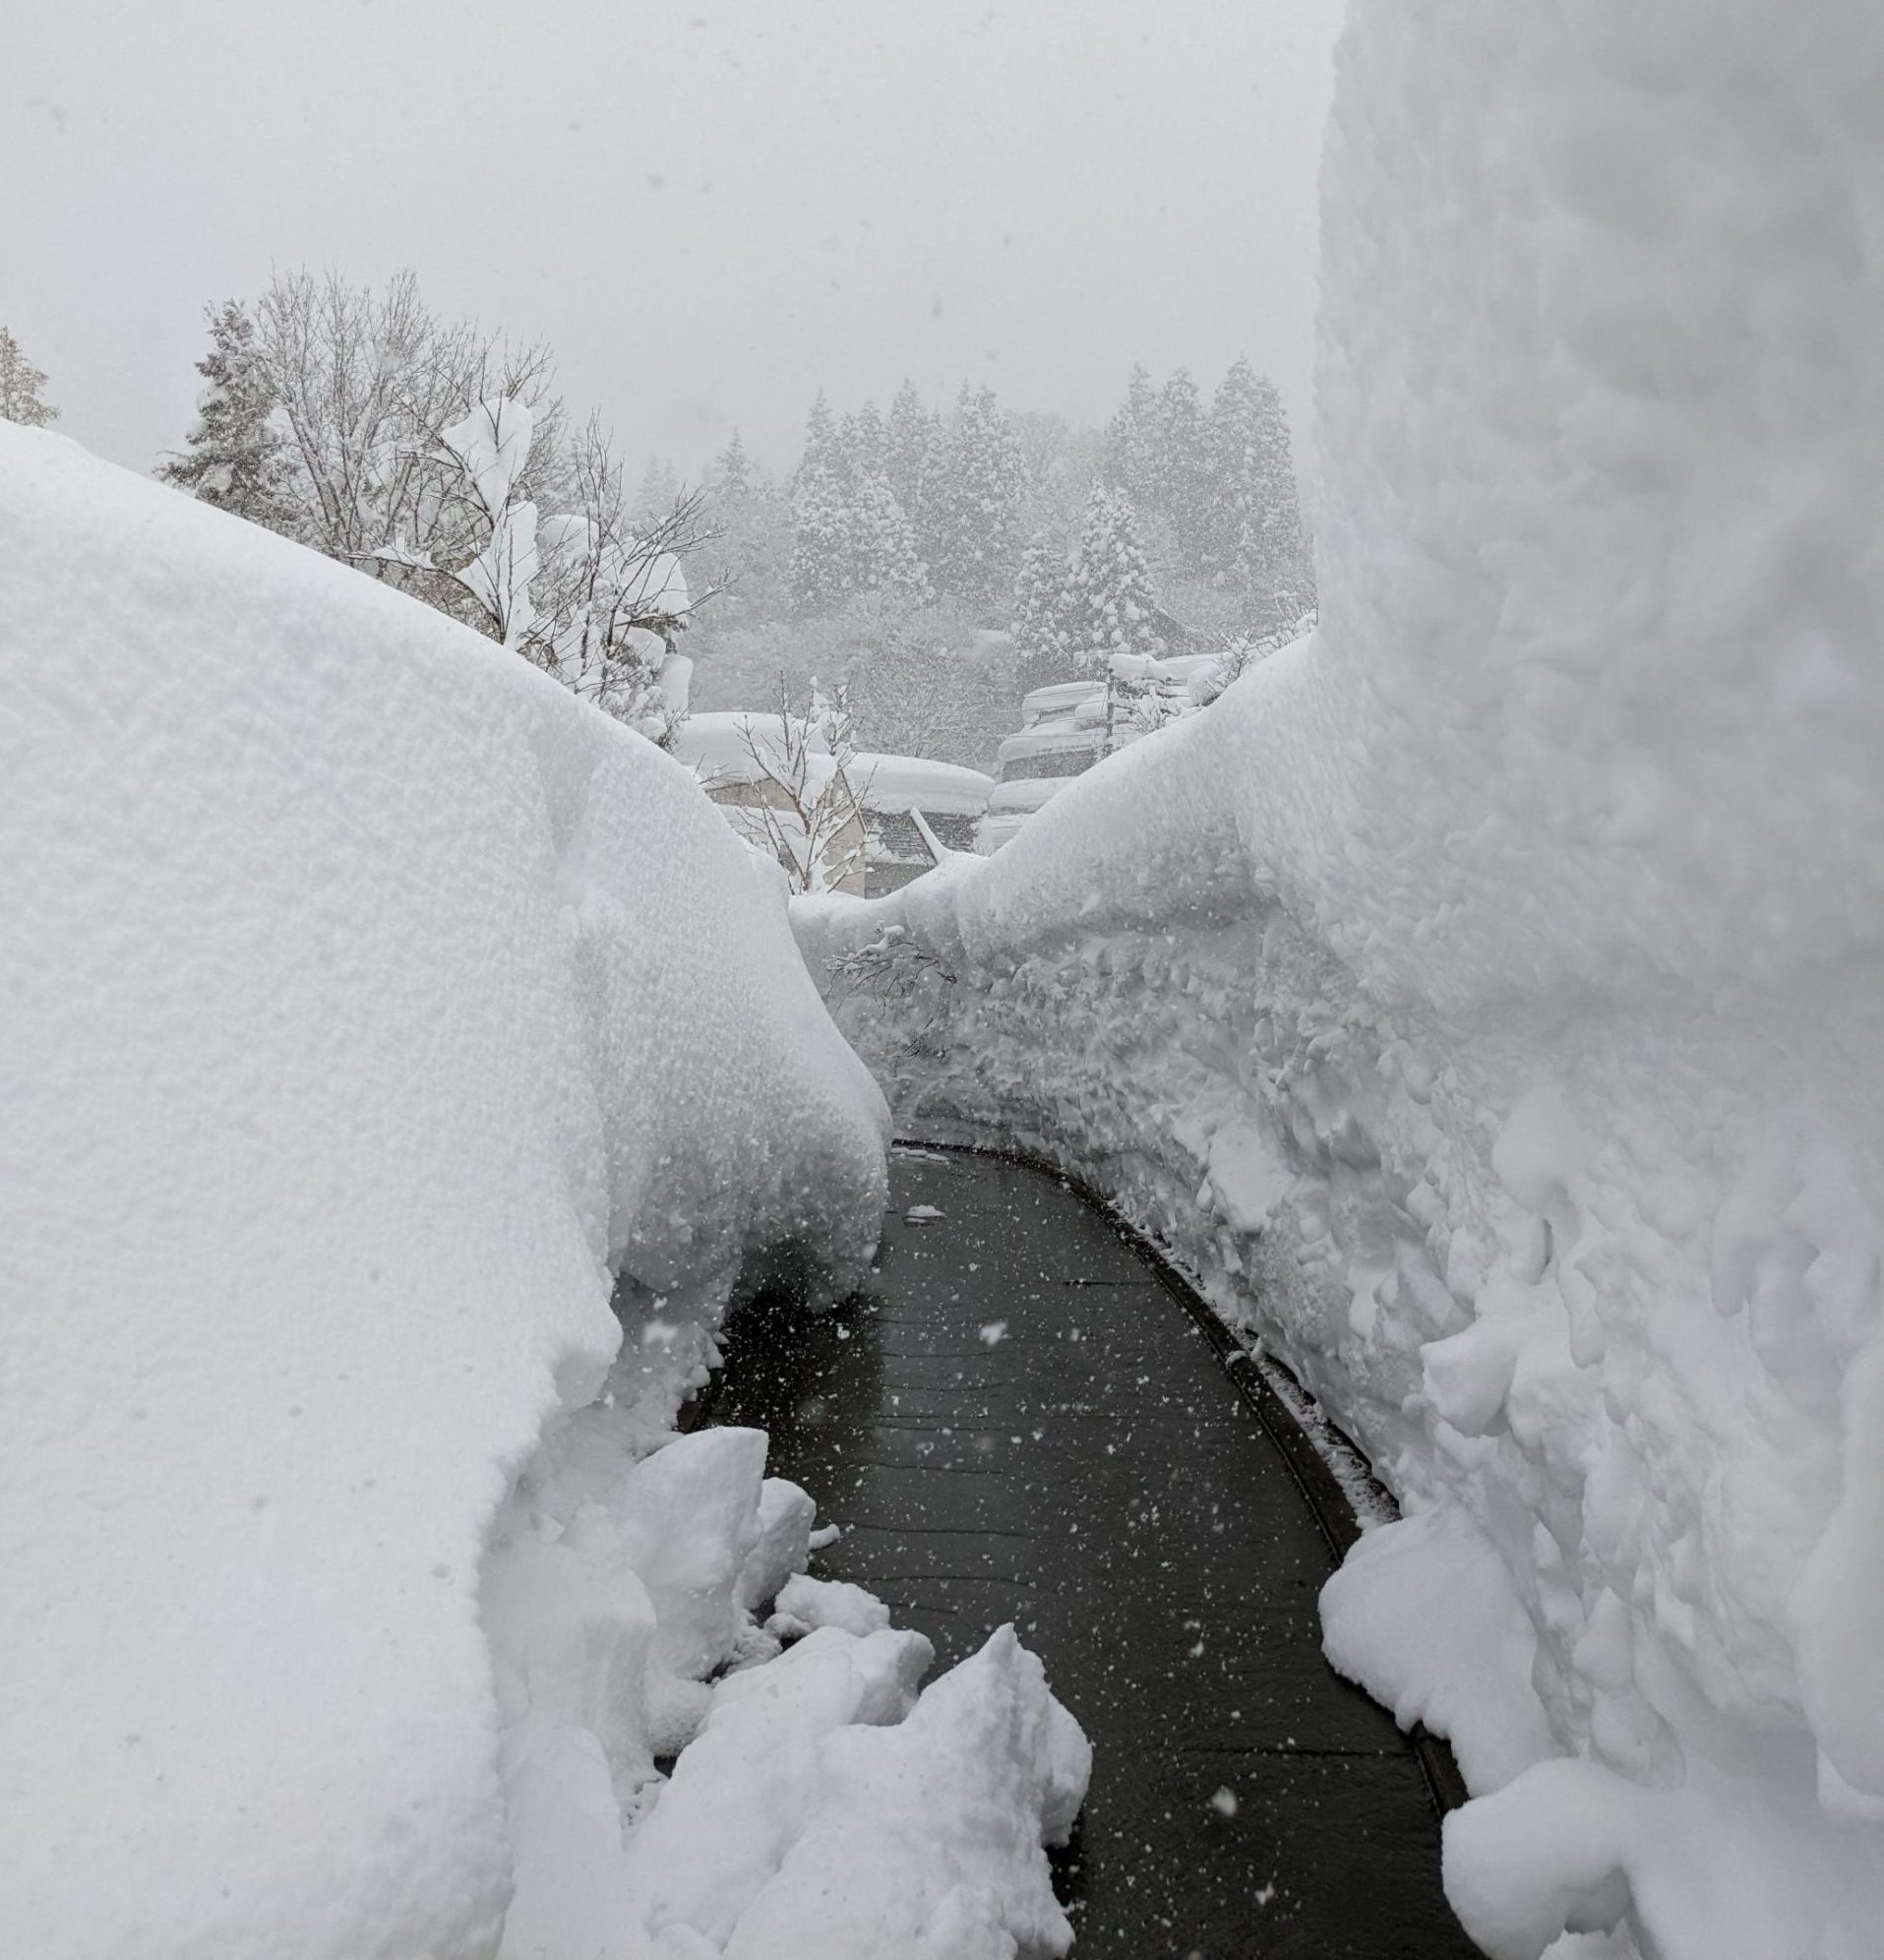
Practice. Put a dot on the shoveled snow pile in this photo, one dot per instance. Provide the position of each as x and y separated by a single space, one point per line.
375 1013
1486 996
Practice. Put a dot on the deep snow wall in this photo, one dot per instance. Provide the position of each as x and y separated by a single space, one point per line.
371 1004
1485 999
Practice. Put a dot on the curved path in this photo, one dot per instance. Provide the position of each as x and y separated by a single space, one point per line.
1019 1421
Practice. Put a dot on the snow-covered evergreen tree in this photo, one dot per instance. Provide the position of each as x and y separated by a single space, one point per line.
236 458
1106 604
1180 493
1131 439
1039 588
1254 539
850 533
982 488
21 386
821 518
660 488
732 477
866 445
884 558
912 460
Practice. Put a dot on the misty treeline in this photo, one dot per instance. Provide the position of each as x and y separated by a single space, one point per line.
439 458
941 561
933 561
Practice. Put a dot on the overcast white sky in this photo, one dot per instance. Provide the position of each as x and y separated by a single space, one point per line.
709 210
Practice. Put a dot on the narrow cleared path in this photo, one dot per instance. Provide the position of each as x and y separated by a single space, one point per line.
1020 1421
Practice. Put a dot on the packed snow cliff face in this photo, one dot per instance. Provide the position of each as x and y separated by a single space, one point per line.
1487 999
373 1012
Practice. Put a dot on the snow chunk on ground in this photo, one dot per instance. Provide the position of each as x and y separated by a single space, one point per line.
805 1602
926 1838
1422 1614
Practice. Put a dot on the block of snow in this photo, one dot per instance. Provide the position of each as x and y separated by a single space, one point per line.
805 1602
786 1515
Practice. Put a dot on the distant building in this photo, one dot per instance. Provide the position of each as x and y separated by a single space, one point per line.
911 807
1065 728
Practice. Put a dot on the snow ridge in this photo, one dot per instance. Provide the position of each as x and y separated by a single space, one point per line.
373 1007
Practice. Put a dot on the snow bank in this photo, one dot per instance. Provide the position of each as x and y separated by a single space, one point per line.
818 1804
372 1008
1484 998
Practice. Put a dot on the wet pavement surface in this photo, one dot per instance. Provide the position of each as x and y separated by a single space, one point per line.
1020 1422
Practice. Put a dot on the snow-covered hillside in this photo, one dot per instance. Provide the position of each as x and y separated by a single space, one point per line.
373 1011
1484 998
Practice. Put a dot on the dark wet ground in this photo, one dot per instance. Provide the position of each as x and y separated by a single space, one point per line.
1020 1422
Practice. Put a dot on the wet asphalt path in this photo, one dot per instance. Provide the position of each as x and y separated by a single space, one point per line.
1019 1421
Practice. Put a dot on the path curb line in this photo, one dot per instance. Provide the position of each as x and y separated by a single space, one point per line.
1309 1469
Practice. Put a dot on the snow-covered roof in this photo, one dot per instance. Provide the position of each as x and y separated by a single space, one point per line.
1063 698
1012 798
1047 739
914 782
718 747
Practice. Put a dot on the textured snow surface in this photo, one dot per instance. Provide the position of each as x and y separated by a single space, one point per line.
372 1008
1485 999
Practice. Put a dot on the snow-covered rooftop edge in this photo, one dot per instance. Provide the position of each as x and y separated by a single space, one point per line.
1484 998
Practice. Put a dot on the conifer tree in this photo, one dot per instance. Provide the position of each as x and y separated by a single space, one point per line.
21 385
1039 588
1180 493
236 458
883 555
1106 605
733 472
982 486
867 443
912 450
751 554
1130 439
1256 542
821 519
660 488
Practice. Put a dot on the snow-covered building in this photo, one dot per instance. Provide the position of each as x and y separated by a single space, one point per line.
859 822
1065 728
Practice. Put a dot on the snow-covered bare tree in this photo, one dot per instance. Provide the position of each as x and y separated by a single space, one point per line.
612 595
21 386
587 595
472 475
236 458
368 382
810 807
